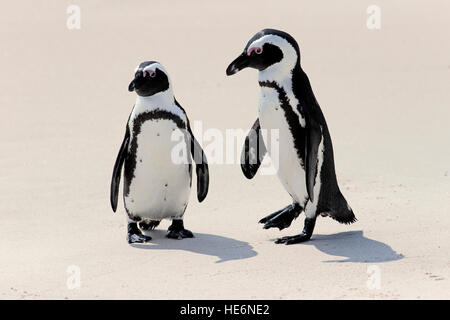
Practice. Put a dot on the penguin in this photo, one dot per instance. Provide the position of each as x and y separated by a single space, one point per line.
157 178
303 155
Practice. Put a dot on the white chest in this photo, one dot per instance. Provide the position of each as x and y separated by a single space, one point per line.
161 182
282 151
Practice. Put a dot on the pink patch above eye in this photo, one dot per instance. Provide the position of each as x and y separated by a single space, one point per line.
258 50
150 73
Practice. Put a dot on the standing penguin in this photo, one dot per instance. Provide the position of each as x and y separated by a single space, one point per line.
304 153
157 180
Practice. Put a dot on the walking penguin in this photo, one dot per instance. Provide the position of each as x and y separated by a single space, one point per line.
304 153
158 172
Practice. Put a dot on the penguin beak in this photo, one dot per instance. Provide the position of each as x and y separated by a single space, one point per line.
238 64
131 86
136 82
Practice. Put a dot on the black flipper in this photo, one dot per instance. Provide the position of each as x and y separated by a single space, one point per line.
313 137
201 163
253 151
201 166
117 171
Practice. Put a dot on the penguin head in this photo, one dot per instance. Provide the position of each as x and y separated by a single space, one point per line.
269 51
150 78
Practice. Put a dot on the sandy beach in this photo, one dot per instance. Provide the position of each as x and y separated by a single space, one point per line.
64 104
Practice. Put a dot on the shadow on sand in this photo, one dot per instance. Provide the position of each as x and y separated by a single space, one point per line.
224 248
355 247
351 245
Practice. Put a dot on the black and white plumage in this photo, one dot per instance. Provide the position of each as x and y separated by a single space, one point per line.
304 154
156 156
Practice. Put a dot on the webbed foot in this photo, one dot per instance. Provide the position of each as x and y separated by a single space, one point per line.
134 235
282 218
302 237
177 230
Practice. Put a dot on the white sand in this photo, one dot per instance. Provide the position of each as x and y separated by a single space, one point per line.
384 93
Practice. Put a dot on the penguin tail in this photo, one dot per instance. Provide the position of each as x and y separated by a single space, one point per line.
341 211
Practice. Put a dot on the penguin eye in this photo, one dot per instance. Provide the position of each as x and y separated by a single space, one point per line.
251 51
150 73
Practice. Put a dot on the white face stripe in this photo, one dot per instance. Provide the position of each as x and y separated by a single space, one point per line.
162 97
280 72
152 67
289 54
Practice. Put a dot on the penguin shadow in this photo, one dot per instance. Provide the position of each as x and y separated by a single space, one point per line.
225 249
355 247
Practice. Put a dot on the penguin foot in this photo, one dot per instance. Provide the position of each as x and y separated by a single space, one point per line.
134 235
138 238
282 218
272 215
177 231
178 235
302 237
